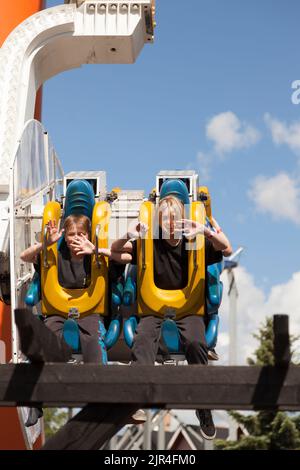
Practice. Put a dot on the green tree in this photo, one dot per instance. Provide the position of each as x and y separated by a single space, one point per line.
54 419
268 430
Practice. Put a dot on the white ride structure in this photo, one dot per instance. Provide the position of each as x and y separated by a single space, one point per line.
47 43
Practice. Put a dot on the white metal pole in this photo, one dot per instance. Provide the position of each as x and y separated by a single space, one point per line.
161 435
113 443
148 431
233 295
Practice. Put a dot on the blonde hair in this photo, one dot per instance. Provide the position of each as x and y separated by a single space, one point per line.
81 221
173 204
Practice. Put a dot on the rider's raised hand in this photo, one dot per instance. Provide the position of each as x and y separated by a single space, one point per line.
189 228
53 234
81 245
137 230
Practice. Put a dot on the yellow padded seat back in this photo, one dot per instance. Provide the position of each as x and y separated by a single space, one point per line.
182 302
93 299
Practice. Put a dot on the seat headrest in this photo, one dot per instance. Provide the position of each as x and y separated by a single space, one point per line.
176 188
80 199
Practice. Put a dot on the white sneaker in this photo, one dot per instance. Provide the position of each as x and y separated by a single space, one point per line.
140 416
212 355
207 427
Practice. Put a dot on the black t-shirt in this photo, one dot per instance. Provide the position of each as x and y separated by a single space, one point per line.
72 274
171 262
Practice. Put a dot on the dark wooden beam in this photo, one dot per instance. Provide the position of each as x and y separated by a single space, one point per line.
282 350
91 427
162 386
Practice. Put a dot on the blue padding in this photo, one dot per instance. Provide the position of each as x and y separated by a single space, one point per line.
129 295
80 199
33 295
71 334
214 308
124 291
170 335
214 287
101 340
130 326
113 332
176 188
117 293
211 333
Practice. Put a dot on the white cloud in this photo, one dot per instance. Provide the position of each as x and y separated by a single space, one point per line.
253 306
278 196
283 133
285 298
228 133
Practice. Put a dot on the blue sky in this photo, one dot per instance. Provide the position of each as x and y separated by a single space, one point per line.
215 67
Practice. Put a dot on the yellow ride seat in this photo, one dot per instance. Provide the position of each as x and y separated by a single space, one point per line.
75 302
152 300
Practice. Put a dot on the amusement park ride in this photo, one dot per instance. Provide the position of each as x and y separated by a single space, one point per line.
38 44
